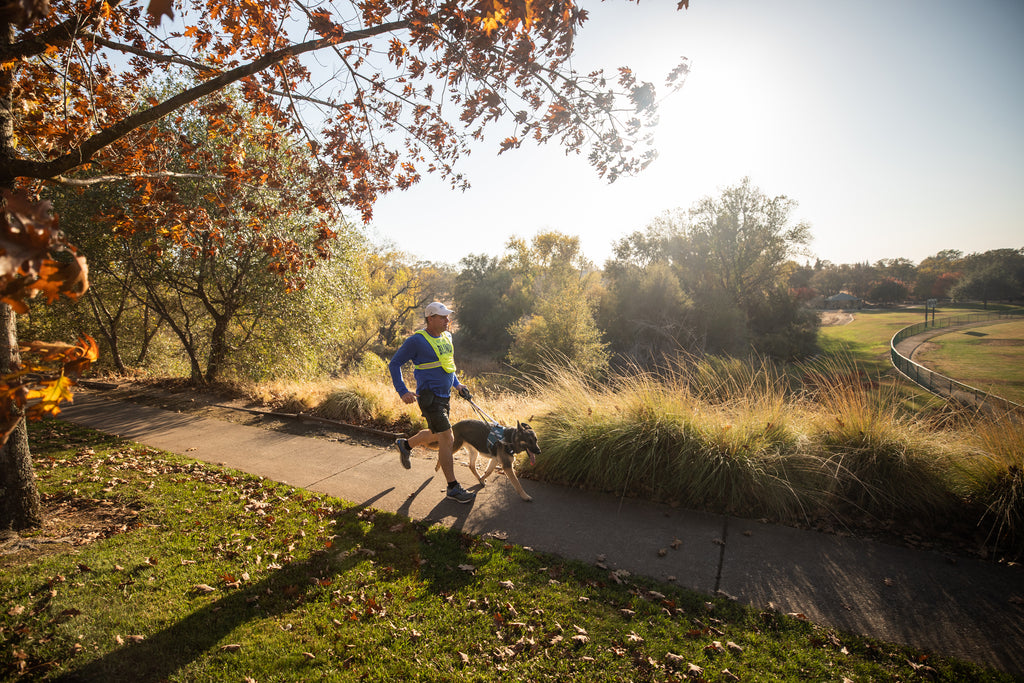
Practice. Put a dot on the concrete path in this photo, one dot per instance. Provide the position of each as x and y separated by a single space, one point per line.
965 608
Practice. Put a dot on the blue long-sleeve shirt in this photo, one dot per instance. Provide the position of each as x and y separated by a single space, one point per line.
419 351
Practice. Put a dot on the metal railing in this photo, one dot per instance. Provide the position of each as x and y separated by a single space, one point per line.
940 384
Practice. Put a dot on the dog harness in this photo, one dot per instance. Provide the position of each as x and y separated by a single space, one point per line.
445 350
500 434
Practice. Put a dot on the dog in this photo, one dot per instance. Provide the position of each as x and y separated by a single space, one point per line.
498 443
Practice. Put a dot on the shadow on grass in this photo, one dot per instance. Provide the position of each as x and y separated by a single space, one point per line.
164 654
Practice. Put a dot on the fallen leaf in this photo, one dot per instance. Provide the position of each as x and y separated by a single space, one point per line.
309 655
676 544
467 567
730 675
464 657
231 647
136 638
507 585
203 588
662 552
734 647
674 659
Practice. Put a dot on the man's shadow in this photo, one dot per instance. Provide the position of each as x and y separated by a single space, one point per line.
163 654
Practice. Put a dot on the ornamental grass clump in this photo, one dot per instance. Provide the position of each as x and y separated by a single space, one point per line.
349 404
995 480
362 399
882 462
649 436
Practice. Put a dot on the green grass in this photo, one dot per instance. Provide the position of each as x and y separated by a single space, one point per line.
989 357
866 339
219 576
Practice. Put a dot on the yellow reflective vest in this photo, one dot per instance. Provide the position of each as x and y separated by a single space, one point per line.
445 350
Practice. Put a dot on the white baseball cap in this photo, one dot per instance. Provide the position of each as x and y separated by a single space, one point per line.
437 308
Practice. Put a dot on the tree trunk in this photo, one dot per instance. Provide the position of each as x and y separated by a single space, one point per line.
108 325
147 336
19 497
218 348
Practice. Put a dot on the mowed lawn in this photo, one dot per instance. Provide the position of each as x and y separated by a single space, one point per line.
866 338
989 357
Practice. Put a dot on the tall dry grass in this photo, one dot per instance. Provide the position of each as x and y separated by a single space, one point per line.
994 476
657 435
880 459
743 437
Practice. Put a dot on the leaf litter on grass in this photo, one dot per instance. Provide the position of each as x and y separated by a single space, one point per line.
255 580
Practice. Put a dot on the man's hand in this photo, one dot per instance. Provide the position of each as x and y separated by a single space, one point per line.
464 393
409 397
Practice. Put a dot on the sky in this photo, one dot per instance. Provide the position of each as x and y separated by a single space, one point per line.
896 126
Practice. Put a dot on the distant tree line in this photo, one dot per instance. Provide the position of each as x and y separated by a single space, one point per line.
722 277
949 275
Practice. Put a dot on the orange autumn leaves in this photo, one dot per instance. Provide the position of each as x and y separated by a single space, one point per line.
34 259
29 242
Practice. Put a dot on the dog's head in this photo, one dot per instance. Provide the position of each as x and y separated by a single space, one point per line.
526 440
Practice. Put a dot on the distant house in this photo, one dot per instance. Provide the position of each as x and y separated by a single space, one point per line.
843 300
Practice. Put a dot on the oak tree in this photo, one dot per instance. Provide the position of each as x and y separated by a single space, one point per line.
397 88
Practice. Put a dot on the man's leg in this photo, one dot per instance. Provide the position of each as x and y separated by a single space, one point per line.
424 437
445 442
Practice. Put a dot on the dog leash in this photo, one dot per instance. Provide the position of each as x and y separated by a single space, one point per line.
482 413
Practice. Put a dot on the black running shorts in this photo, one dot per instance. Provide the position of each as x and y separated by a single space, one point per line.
435 411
